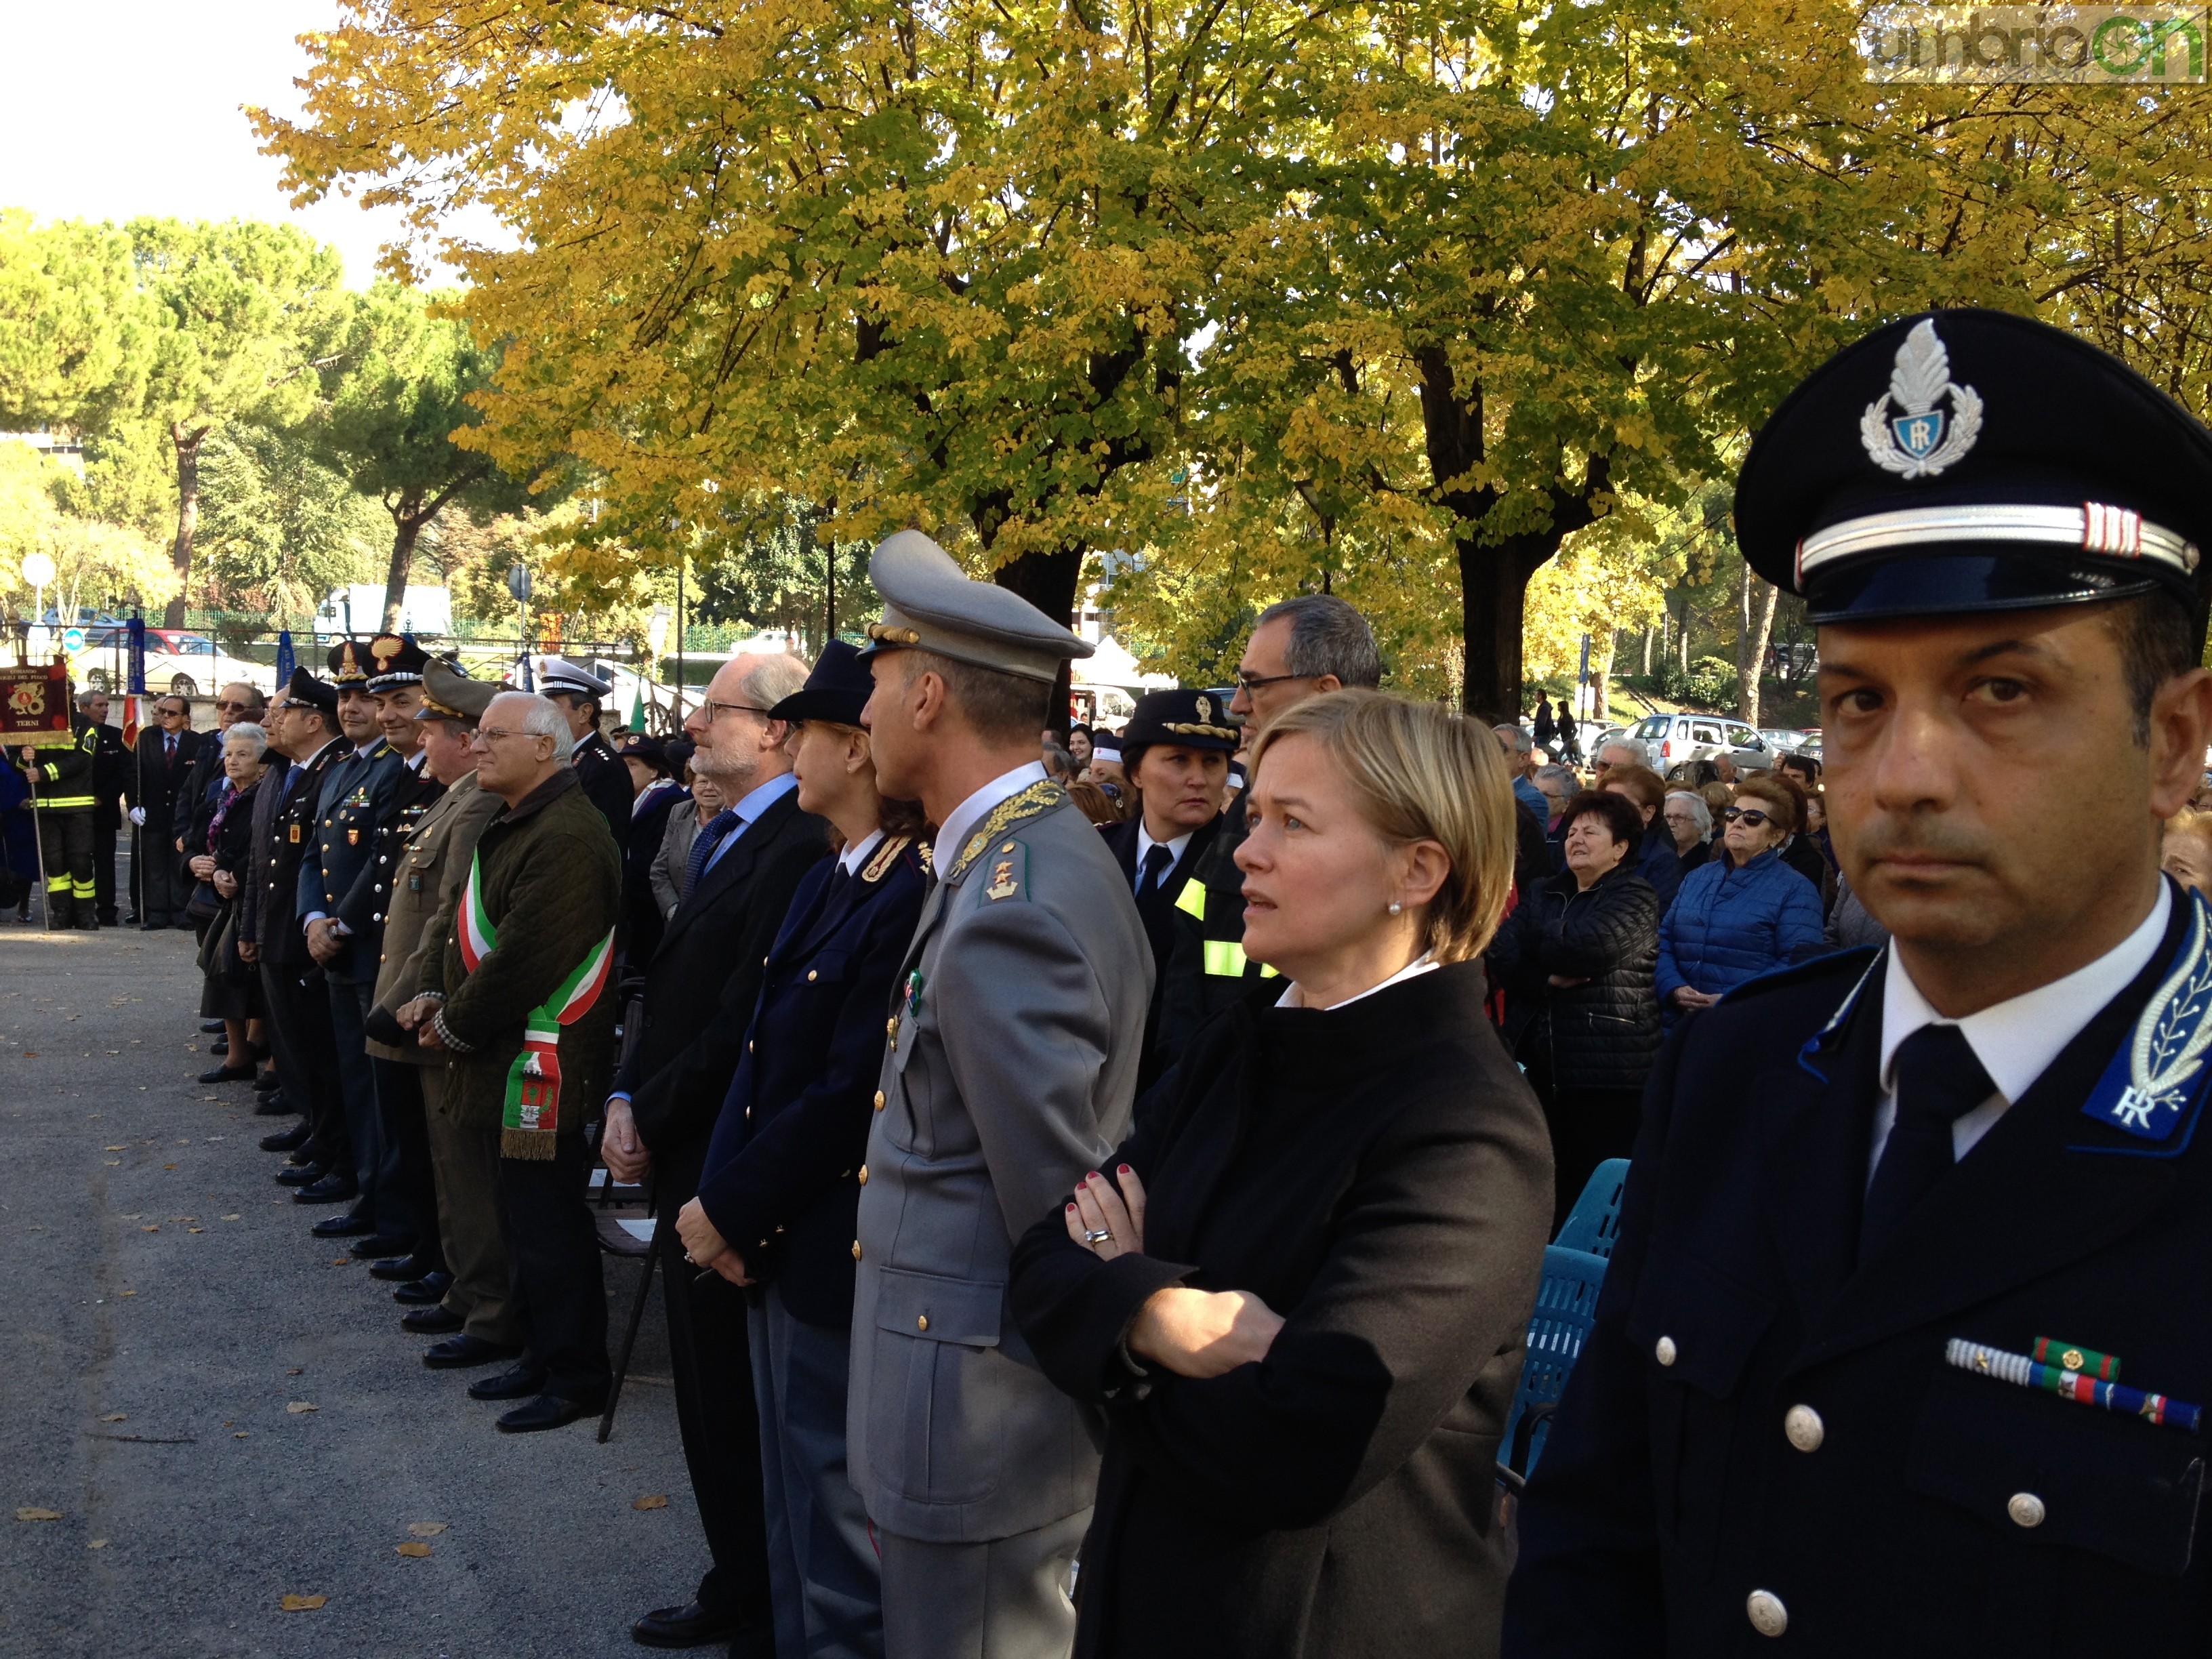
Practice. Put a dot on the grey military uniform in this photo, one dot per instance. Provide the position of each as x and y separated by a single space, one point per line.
1012 1057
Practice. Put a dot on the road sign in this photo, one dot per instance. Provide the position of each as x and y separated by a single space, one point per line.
73 640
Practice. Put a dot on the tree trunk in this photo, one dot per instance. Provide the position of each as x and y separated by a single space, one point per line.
407 521
1647 652
1048 580
1493 597
1751 649
188 516
1601 672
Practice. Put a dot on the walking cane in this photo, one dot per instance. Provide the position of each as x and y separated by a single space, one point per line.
629 1337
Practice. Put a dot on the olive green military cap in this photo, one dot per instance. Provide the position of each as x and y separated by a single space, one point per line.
929 606
450 694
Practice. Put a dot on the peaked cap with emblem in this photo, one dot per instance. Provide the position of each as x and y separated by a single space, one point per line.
349 663
450 694
304 687
929 605
395 660
557 674
1188 719
1970 460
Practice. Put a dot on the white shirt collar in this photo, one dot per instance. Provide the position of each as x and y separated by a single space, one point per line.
1293 998
416 762
851 857
963 818
2016 1040
1146 843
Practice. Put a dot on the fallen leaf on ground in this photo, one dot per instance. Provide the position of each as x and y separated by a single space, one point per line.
117 1417
129 1292
303 1603
150 1229
296 1370
95 1543
38 1515
412 1551
295 1407
230 1217
112 1163
168 1166
657 1501
195 1229
240 1435
115 1149
426 1529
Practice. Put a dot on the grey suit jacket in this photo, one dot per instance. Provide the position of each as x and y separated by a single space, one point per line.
1012 1043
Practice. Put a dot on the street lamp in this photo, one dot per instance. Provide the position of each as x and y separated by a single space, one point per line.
517 584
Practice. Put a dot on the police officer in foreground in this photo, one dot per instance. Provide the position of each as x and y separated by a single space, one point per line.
581 695
1010 1060
1906 1339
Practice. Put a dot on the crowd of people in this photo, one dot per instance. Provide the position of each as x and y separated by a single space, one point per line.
1103 1182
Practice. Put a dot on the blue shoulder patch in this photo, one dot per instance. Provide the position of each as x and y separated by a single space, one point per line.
1839 964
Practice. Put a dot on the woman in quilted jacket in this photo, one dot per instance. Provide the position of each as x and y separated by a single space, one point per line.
1576 961
1743 913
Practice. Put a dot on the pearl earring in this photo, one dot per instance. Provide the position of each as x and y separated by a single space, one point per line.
1395 907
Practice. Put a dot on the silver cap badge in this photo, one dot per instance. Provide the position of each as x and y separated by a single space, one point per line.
1920 440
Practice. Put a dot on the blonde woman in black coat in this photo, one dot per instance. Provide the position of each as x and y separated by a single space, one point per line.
1300 1296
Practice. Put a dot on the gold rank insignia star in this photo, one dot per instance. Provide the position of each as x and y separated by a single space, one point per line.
1003 884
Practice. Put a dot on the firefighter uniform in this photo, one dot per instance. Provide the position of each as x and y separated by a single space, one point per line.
62 784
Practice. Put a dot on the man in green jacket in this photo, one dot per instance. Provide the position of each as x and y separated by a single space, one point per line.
514 989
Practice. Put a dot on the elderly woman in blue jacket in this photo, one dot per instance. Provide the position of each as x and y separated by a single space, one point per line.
1743 913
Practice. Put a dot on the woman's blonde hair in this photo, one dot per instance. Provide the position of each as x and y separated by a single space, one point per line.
1421 772
2191 821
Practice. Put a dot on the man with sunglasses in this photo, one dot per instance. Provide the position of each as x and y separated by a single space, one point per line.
1905 1343
161 805
1297 649
700 989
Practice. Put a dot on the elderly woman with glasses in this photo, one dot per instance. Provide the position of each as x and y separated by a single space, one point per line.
223 860
1298 1301
1743 913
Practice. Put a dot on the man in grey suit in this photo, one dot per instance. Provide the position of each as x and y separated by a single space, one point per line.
1011 1059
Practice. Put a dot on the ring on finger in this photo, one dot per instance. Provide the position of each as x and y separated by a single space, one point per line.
1097 1234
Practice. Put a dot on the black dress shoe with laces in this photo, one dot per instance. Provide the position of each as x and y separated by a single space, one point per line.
459 1353
399 1272
380 1245
286 1140
548 1411
330 1189
520 1384
430 1322
425 1291
692 1625
302 1175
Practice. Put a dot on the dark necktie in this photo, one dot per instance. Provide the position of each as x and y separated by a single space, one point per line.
1158 861
1938 1081
702 849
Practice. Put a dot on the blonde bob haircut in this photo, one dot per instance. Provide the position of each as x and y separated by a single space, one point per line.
1420 772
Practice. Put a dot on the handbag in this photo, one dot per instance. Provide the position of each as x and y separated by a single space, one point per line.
205 903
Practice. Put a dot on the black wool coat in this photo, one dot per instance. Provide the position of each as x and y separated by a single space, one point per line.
701 985
1683 1471
1605 1032
1379 1174
1155 908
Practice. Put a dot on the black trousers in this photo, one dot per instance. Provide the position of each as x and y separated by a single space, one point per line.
399 1103
1588 1126
163 886
557 1290
712 1358
306 1055
103 869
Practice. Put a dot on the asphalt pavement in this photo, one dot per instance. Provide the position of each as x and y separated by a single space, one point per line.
218 1413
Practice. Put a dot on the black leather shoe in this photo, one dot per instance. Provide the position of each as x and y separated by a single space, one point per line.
274 1103
210 1027
153 926
224 1074
548 1411
400 1273
330 1189
268 1082
306 1155
302 1175
429 1321
689 1627
425 1291
378 1246
351 1224
520 1384
220 1046
459 1353
286 1140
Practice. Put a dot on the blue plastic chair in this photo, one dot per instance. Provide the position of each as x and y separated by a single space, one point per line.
1566 1304
1595 1222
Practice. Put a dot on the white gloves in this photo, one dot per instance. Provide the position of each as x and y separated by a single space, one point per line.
138 816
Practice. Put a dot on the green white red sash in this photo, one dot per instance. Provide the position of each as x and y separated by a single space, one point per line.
530 1121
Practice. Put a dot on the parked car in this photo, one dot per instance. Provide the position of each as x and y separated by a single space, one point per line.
1784 740
1680 740
177 663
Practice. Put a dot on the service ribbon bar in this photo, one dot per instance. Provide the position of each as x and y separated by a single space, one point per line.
2073 1356
2024 1372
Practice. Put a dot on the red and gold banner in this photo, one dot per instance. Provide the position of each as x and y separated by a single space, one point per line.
34 707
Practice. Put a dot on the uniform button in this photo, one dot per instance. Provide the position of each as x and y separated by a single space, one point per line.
922 1322
1008 847
1803 1426
880 1100
864 1174
1768 1616
749 1045
811 976
1664 1350
380 858
856 1250
2025 1508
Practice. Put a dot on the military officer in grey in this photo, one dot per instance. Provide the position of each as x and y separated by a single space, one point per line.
1010 1057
